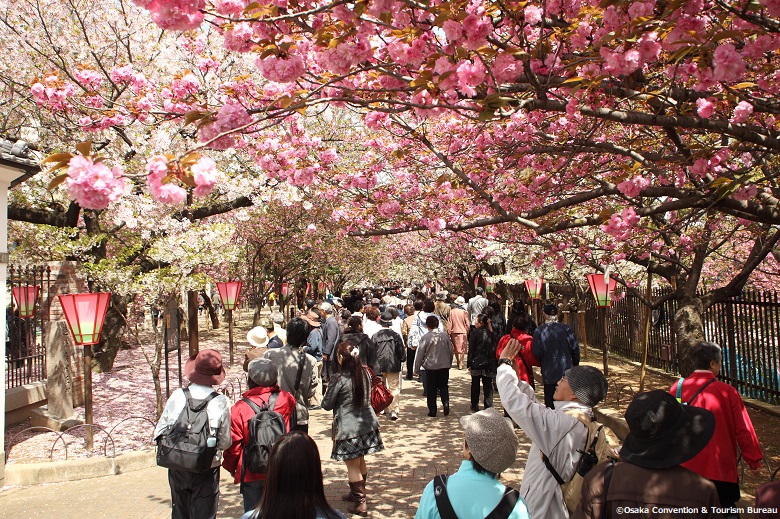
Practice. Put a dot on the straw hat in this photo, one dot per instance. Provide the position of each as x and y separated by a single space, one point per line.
257 337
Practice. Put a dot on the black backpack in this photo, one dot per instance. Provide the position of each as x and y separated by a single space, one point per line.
185 446
384 343
265 427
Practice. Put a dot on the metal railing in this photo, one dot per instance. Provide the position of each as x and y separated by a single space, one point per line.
747 327
25 348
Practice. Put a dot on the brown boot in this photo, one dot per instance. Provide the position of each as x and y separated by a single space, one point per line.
348 496
359 496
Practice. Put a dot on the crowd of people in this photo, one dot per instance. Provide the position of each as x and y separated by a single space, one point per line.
683 441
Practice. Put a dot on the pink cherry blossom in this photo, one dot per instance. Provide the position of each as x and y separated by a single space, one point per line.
434 225
746 193
231 116
506 68
160 185
741 112
453 31
533 14
311 228
705 107
281 69
230 7
618 63
728 64
205 173
621 226
470 75
772 6
175 15
239 38
477 30
631 188
93 185
89 78
389 209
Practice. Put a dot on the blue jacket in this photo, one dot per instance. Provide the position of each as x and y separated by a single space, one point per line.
472 495
314 344
556 349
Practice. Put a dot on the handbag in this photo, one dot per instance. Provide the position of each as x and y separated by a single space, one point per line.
381 397
480 361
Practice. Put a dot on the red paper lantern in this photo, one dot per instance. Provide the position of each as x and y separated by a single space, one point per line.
285 289
85 314
321 286
25 298
534 287
602 290
228 293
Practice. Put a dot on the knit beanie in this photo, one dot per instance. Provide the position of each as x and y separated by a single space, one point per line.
588 383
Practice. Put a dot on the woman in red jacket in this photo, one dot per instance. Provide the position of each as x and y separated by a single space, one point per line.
733 428
525 359
261 379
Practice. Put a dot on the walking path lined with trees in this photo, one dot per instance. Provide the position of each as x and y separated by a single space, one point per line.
416 448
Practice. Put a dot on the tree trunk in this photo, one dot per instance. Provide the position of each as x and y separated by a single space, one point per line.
192 321
212 311
257 316
688 330
113 333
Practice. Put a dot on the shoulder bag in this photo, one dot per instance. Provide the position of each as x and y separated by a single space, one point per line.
381 397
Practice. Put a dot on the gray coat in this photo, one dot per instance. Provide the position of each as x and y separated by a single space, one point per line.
286 359
434 351
347 421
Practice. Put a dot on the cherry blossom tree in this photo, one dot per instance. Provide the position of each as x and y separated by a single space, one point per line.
644 129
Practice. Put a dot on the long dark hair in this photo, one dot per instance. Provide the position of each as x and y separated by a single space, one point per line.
350 365
293 484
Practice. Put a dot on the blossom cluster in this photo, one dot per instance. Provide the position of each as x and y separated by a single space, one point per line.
93 185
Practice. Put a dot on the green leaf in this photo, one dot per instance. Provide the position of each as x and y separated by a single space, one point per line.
487 115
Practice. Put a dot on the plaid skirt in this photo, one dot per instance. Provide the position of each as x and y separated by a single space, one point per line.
352 448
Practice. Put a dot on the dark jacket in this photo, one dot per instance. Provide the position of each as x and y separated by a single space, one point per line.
349 422
557 350
481 341
390 350
367 349
330 336
629 487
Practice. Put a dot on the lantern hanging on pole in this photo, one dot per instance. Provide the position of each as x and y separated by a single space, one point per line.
285 289
228 293
534 287
85 314
489 286
602 290
25 298
321 287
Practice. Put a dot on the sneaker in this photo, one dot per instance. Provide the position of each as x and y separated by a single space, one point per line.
394 416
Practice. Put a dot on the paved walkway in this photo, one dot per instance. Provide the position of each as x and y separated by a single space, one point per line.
416 449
